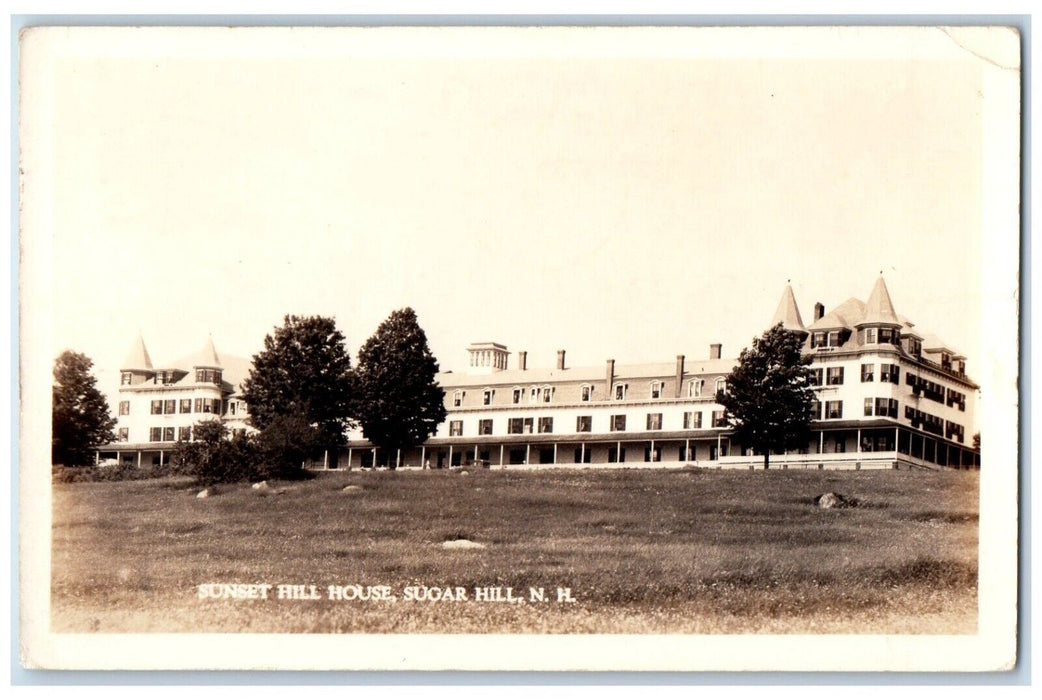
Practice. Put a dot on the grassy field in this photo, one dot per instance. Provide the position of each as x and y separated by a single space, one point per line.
677 551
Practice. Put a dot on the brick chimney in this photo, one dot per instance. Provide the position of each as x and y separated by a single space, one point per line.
714 351
522 360
609 377
560 359
819 310
680 376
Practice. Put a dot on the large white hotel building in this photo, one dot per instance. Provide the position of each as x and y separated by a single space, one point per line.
889 395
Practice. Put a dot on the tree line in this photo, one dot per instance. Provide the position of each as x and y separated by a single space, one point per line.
302 394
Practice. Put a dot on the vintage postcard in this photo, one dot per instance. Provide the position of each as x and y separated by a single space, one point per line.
501 348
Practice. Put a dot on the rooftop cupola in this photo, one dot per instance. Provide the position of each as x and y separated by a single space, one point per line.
486 358
788 314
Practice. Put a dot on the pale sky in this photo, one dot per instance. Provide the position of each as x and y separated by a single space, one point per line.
614 207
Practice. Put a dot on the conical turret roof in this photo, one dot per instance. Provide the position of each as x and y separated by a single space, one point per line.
879 308
207 357
138 359
788 314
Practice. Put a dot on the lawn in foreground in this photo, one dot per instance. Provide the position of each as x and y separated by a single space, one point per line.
662 551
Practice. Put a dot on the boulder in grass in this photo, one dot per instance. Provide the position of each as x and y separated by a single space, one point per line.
205 493
260 485
352 488
464 473
835 500
462 544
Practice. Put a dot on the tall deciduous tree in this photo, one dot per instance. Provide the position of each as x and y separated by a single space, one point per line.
769 398
303 372
398 402
80 418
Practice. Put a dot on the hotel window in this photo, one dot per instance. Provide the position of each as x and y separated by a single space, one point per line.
517 394
694 388
692 420
721 386
833 409
719 419
915 347
455 428
168 434
126 378
184 433
583 424
124 435
890 373
816 377
868 373
485 426
486 397
208 405
887 335
546 425
516 426
654 421
586 392
833 339
170 406
124 408
620 392
815 410
835 375
208 376
818 339
656 390
548 392
155 434
232 406
870 335
186 405
884 407
157 408
198 405
618 423
868 406
535 394
457 397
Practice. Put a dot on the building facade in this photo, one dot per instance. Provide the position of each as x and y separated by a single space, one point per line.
888 396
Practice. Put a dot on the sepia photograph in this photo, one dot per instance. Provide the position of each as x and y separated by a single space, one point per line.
519 348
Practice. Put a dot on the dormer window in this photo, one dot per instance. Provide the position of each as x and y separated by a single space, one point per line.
656 390
586 392
457 397
871 336
516 394
486 397
548 393
721 386
126 378
694 388
536 394
620 392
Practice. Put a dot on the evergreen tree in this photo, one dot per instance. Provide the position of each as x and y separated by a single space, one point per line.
398 402
80 418
769 398
303 373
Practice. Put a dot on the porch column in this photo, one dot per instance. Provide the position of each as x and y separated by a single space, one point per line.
450 455
325 459
475 453
160 458
651 455
897 438
501 455
618 451
423 456
687 449
139 459
582 453
398 458
859 440
374 458
718 455
821 442
528 453
555 453
349 451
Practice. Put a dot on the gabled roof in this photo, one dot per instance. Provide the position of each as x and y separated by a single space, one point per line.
788 314
843 316
138 358
879 308
519 377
